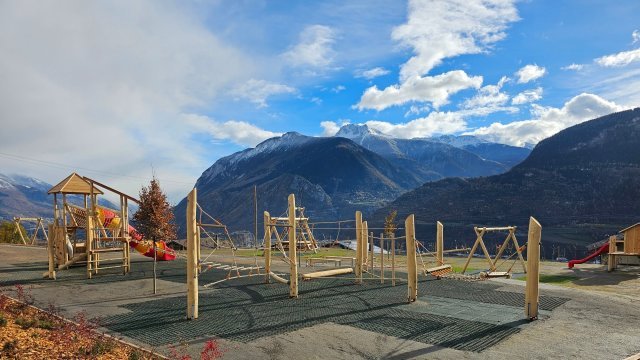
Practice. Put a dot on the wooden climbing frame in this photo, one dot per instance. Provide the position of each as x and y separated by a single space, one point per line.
511 236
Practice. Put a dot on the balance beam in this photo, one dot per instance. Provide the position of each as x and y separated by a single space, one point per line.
278 278
324 273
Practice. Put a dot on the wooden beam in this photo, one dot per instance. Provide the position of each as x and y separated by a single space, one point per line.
412 264
358 247
293 249
267 246
192 266
50 253
382 258
531 301
393 260
365 245
325 273
278 278
439 242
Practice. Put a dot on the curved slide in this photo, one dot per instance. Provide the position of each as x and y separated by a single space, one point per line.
604 249
110 220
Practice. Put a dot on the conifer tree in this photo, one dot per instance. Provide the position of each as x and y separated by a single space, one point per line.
154 218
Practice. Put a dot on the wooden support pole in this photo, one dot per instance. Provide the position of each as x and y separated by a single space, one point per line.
531 301
611 263
50 253
358 247
412 264
365 246
267 246
192 266
393 260
382 258
293 249
371 267
89 245
439 243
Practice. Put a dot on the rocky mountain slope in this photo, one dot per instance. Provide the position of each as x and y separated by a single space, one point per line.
581 184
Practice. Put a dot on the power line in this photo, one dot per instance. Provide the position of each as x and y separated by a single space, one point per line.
66 166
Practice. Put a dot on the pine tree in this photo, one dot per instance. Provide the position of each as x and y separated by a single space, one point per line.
154 218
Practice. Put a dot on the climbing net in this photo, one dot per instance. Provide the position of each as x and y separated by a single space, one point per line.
213 242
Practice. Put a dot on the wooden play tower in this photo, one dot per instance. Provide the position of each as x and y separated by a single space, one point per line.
79 234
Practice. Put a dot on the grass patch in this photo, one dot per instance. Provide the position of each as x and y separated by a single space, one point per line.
324 252
25 323
552 279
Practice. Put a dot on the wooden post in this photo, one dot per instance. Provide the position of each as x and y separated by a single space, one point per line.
393 260
358 247
293 249
192 266
89 245
531 301
412 264
439 243
365 246
371 267
382 258
50 250
267 247
64 223
611 263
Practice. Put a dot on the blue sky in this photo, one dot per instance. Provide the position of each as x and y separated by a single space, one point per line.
120 89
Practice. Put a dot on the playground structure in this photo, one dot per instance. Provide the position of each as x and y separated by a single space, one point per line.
40 225
493 263
626 245
81 234
364 259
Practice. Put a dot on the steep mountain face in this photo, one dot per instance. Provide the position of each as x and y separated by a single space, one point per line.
23 196
331 177
439 157
581 184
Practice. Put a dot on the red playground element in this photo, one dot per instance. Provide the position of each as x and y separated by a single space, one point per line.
604 249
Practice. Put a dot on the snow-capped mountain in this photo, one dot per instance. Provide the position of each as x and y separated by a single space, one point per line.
433 158
23 196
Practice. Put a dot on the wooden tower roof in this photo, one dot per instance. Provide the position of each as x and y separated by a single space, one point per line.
74 184
629 228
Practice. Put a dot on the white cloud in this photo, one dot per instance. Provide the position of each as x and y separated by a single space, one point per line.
314 48
372 73
316 100
434 123
635 36
338 89
527 96
103 85
330 128
574 67
488 96
548 121
620 59
529 73
436 30
433 89
257 91
239 132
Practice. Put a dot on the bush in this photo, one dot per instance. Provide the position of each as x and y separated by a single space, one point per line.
25 323
3 321
9 348
101 346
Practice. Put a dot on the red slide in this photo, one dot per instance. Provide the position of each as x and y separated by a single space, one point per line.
602 250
